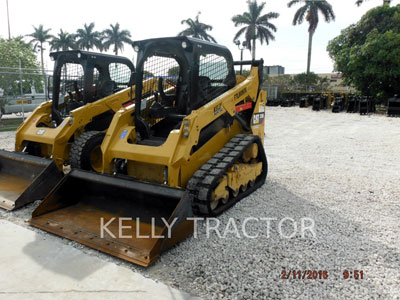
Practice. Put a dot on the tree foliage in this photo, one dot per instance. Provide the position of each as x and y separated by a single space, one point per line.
174 71
197 29
40 36
368 53
256 26
359 2
309 11
88 38
63 41
11 51
303 80
299 82
283 82
116 37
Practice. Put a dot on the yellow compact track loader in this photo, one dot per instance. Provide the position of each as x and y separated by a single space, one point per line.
192 147
88 88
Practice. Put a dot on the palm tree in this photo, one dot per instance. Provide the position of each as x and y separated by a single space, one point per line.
257 26
63 41
39 37
359 2
310 11
116 37
197 29
101 45
88 38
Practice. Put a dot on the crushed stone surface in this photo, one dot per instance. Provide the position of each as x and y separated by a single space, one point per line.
340 170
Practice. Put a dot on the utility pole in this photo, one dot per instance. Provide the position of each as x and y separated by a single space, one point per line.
8 20
21 90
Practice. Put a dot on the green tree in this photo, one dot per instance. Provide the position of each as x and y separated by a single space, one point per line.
63 41
174 71
310 11
39 37
283 82
323 84
88 38
306 81
11 52
368 53
245 73
257 26
147 74
303 81
197 29
116 37
359 2
101 44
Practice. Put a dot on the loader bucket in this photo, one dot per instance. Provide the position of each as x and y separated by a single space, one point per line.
25 178
116 215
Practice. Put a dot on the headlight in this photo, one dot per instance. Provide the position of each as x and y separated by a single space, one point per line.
184 45
136 48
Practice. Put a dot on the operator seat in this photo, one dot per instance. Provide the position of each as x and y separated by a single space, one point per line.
106 88
204 89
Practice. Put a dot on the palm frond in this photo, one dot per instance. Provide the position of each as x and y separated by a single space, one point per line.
256 25
63 41
239 33
113 36
293 2
186 32
250 34
326 10
40 34
299 15
241 20
313 18
197 29
264 34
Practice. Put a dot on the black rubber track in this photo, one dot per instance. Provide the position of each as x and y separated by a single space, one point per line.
204 180
81 149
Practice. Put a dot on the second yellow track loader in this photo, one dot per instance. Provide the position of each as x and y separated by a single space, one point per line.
88 88
192 147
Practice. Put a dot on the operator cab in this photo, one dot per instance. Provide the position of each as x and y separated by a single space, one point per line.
82 77
176 75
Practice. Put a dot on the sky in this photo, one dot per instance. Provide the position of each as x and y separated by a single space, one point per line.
162 18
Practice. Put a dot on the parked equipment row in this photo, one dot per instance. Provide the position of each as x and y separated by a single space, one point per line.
339 102
178 135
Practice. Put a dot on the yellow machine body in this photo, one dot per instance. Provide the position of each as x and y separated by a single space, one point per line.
56 142
149 188
42 145
148 163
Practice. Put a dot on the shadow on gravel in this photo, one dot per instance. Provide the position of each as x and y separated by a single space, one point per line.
242 268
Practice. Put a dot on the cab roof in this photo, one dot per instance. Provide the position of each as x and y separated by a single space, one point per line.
191 44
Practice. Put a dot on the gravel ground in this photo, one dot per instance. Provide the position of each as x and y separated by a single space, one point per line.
342 171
